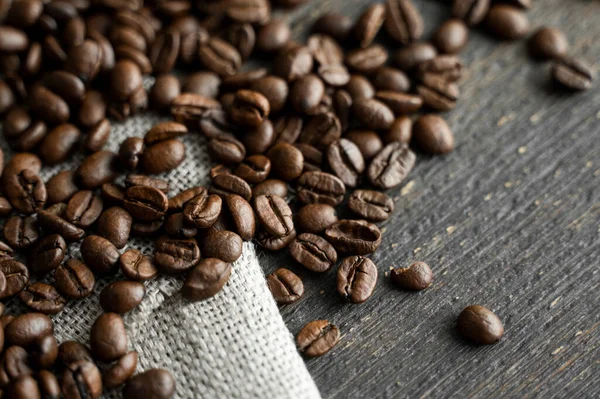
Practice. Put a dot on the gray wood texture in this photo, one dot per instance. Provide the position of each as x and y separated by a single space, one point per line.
509 220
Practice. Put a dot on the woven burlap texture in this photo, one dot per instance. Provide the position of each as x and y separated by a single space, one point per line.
234 345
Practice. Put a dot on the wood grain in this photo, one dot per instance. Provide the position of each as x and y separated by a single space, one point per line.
509 220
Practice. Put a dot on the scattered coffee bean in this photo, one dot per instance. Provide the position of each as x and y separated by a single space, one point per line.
27 329
315 218
206 279
226 184
548 43
346 161
108 338
433 135
480 325
451 36
390 79
122 296
507 22
354 236
409 57
471 11
162 156
74 279
285 286
83 209
274 214
121 371
137 266
335 25
368 142
99 254
224 245
572 73
368 24
371 205
114 224
417 276
391 166
403 21
16 275
437 93
21 232
448 67
373 114
320 188
155 383
203 210
174 255
82 379
145 203
313 252
317 338
356 279
368 59
43 298
47 255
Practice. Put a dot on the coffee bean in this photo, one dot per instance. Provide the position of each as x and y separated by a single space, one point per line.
271 187
66 85
346 161
293 62
226 149
82 379
243 80
166 88
306 94
121 371
97 137
416 277
359 87
572 73
219 170
239 216
206 279
21 232
146 229
61 187
44 351
74 279
320 188
28 328
164 131
155 383
273 243
85 60
313 157
391 166
177 202
354 236
59 143
176 255
315 218
433 135
163 156
321 130
220 57
285 286
373 114
25 386
471 11
313 252
51 221
448 67
12 40
21 161
249 108
371 205
164 51
507 22
72 351
114 224
113 194
48 384
92 109
242 37
273 36
16 275
16 122
390 79
252 11
227 184
369 23
14 364
317 338
254 169
274 214
176 225
368 142
95 170
274 89
99 254
108 338
205 84
437 93
224 245
47 255
43 298
409 57
137 266
480 325
548 43
125 80
287 161
145 202
337 26
403 21
129 53
356 279
25 191
83 209
203 210
130 152
451 36
367 59
122 296
6 252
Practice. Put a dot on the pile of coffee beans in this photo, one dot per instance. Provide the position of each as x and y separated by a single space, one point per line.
325 127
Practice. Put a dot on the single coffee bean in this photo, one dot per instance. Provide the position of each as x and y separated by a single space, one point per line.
250 108
368 142
74 279
224 245
287 161
205 84
16 121
409 57
437 93
337 26
176 225
99 254
346 161
118 373
43 352
97 137
315 218
6 252
95 170
108 337
176 255
226 149
354 236
273 36
293 62
206 279
164 51
177 202
73 351
16 275
82 379
7 98
416 277
273 243
122 296
368 59
59 143
145 228
254 169
130 152
448 67
507 22
306 94
369 23
258 140
203 210
252 11
163 156
480 325
83 209
373 114
26 191
313 252
239 216
313 157
359 87
27 329
451 36
21 232
51 221
145 202
243 80
21 161
271 187
321 130
166 88
391 166
274 214
242 37
571 73
403 21
85 60
43 298
371 205
137 266
164 131
125 80
433 135
129 53
356 279
92 109
154 383
226 184
48 384
65 85
320 188
548 43
61 187
14 364
47 255
220 57
390 79
114 224
12 39
274 89
470 11
25 386
285 286
317 338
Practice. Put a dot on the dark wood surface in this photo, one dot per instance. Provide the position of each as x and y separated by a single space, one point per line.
509 220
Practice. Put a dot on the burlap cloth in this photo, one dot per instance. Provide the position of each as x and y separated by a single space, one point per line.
234 345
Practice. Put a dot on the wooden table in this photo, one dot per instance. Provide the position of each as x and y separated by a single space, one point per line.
510 220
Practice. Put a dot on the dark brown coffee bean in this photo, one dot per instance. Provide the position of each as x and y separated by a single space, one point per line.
254 169
287 129
83 209
203 210
23 14
433 135
114 224
127 36
359 87
274 214
12 40
507 22
451 36
271 187
25 386
239 216
95 170
274 89
272 243
226 149
108 337
145 202
249 108
205 84
437 93
224 245
130 152
176 255
6 252
548 43
125 52
99 254
156 383
14 364
251 11
409 57
220 57
206 279
369 23
313 252
16 275
325 50
66 85
58 145
401 131
125 80
293 62
313 157
85 60
166 88
177 202
391 166
48 384
47 255
367 59
373 114
26 191
163 156
242 37
317 338
92 110
285 286
572 73
346 161
113 194
7 98
52 220
21 232
137 266
121 371
315 218
356 279
108 52
258 140
74 279
73 351
97 137
44 351
61 187
21 161
354 236
287 161
82 379
226 184
480 325
321 130
471 11
176 225
164 51
306 94
320 188
335 25
27 139
243 80
368 142
448 67
43 298
371 205
28 328
403 21
122 296
390 79
54 50
133 180
416 277
273 36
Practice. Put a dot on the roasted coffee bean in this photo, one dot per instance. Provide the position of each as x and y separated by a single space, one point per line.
451 36
471 11
356 279
249 108
371 205
164 131
391 166
13 365
97 137
448 67
21 232
25 191
203 210
21 161
48 384
74 279
254 169
28 328
130 152
7 99
92 109
313 157
480 325
403 21
285 286
354 236
82 379
224 245
83 209
313 252
373 114
346 161
6 252
226 149
52 220
145 202
242 37
416 277
43 298
122 296
137 266
274 214
66 85
437 93
433 135
225 184
121 371
164 51
16 275
409 57
44 351
59 143
334 75
85 60
548 43
16 121
176 255
317 338
176 225
271 187
23 14
12 40
369 23
128 36
390 79
273 243
133 180
30 137
5 319
206 279
205 84
215 122
125 80
401 131
165 89
571 73
273 36
108 53
274 89
95 170
47 255
239 216
293 62
321 130
114 224
359 87
220 57
306 94
155 383
507 22
163 156
25 386
315 218
73 351
320 188
251 11
287 161
258 140
61 187
177 202
367 59
99 254
113 194
108 338
243 80
368 142
126 52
